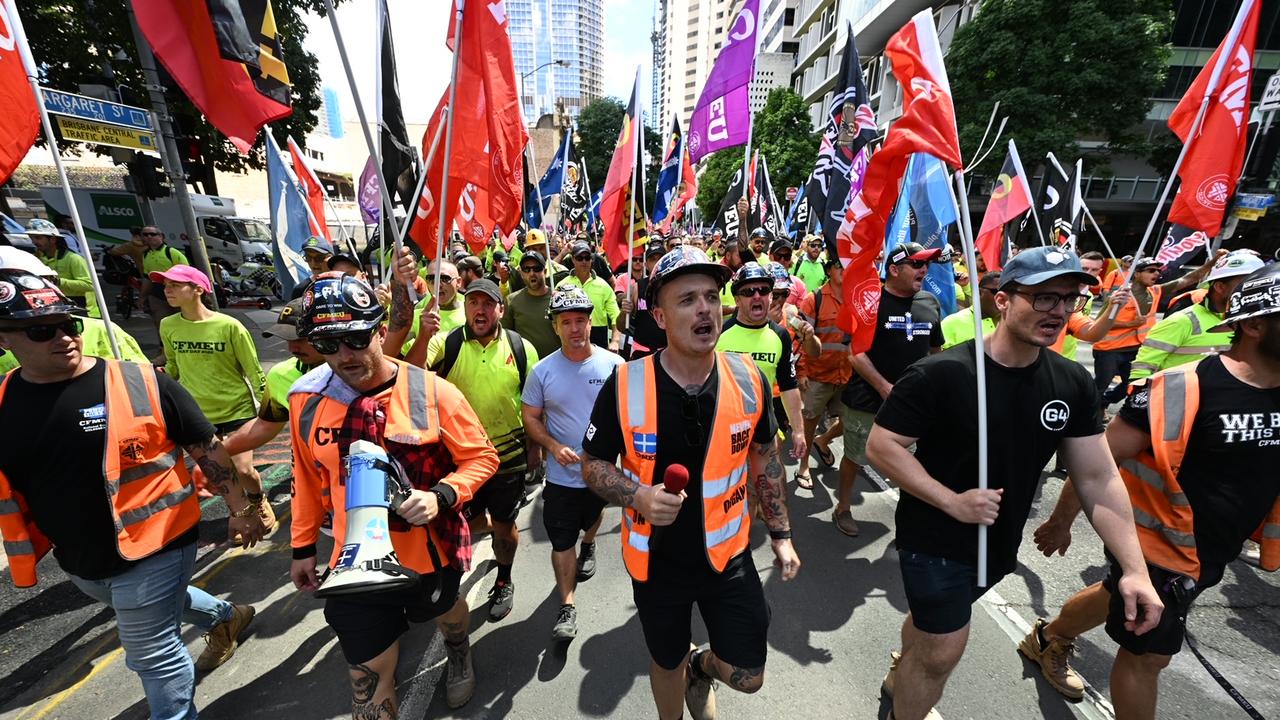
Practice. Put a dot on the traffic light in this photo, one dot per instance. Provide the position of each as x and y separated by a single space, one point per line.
148 176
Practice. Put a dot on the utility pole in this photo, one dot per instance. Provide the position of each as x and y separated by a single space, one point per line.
168 148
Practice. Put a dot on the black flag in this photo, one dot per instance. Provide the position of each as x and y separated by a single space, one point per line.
762 212
851 124
573 191
399 162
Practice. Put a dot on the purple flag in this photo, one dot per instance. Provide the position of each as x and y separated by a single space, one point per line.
722 117
370 194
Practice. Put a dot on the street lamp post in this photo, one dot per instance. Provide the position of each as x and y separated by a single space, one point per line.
559 63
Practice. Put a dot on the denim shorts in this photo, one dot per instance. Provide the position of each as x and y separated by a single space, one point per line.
940 592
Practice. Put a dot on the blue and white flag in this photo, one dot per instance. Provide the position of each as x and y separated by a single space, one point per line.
669 175
290 226
593 210
923 214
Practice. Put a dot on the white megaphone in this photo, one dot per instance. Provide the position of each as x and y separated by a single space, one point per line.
367 561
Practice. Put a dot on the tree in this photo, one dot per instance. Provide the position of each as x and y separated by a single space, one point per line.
783 135
1061 72
599 124
91 42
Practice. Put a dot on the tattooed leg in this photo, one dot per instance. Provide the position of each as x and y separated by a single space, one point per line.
373 687
454 624
746 680
506 538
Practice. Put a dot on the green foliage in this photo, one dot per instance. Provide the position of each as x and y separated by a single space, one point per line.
599 124
90 41
1061 72
782 134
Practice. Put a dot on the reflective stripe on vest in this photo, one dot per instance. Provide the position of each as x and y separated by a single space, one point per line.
1176 537
1128 338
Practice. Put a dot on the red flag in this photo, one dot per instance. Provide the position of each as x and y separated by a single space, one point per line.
20 121
927 125
1215 155
488 136
617 186
1010 198
314 190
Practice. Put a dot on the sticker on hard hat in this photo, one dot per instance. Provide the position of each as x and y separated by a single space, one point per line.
347 556
41 298
30 282
360 298
7 292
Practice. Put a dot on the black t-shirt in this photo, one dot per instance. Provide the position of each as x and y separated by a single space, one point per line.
1029 411
54 435
1229 471
671 547
906 329
644 328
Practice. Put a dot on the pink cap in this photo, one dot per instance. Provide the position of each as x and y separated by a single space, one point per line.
183 273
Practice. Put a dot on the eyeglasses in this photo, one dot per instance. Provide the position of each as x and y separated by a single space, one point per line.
531 269
153 234
758 291
354 341
45 333
1046 302
689 412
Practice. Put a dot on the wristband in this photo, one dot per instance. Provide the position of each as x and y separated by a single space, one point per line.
779 534
249 510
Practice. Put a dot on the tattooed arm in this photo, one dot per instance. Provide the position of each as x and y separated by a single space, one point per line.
769 481
401 314
220 476
606 480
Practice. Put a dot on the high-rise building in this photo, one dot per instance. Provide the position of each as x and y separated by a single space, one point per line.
329 116
777 26
559 53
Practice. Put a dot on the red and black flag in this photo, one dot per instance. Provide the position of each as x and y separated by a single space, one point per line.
1010 199
619 210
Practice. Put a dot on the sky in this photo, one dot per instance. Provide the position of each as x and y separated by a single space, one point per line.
423 62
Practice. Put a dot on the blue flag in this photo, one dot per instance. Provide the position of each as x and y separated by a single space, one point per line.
290 226
669 175
924 213
593 209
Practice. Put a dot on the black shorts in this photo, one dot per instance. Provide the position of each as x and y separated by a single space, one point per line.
1177 592
567 511
500 496
368 624
732 606
226 428
940 592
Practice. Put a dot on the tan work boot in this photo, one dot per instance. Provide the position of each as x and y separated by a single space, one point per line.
1053 661
268 515
224 638
700 693
460 683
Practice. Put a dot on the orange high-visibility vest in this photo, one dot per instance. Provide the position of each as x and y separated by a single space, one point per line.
152 497
1129 338
741 399
1166 527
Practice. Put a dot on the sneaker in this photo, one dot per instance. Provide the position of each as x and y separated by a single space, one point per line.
1053 660
502 598
460 682
587 562
1251 553
224 638
566 627
700 693
845 523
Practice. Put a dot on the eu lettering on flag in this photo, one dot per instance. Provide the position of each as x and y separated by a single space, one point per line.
645 443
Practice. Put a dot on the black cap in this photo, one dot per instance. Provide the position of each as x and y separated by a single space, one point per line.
535 256
499 256
341 257
779 244
654 249
286 325
578 248
486 286
25 295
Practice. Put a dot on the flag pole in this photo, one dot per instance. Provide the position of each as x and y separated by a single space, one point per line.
388 216
448 143
537 190
422 182
346 239
1088 214
564 164
751 116
586 186
631 200
965 226
28 63
1228 43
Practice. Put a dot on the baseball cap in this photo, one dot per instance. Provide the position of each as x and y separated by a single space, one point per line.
912 251
183 273
535 256
780 244
499 257
317 244
485 286
1147 262
578 248
1042 264
654 249
286 325
336 258
470 263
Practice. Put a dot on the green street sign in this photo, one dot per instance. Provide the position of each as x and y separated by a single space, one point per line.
115 211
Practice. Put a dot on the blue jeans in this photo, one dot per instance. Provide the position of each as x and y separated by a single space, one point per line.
150 599
1106 365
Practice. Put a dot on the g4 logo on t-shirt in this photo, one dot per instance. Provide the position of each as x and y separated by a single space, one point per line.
1054 415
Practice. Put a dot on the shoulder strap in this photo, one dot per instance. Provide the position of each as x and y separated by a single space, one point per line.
452 346
517 351
817 306
168 253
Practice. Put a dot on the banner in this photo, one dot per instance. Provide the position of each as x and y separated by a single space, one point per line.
1180 244
20 121
369 194
399 164
618 208
851 125
1010 199
722 117
290 226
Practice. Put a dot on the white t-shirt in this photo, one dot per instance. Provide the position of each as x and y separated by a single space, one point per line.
566 391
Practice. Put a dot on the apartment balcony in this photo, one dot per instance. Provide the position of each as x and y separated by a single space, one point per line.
808 12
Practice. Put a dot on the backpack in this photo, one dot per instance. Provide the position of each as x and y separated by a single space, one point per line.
453 346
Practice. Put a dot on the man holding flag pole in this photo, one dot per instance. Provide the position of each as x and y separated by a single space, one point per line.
1048 405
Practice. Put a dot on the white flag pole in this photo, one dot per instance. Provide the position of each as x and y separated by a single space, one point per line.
1017 164
1088 215
28 63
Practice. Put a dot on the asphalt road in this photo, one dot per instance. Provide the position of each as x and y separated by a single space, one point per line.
831 633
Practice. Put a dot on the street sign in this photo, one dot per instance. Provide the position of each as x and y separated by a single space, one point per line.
105 134
1271 96
95 110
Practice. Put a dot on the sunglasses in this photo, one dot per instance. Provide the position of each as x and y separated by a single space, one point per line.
754 292
444 279
694 435
782 295
917 264
152 234
531 269
782 255
45 333
354 341
582 258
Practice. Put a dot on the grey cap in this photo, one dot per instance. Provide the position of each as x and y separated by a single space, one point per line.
1038 265
486 286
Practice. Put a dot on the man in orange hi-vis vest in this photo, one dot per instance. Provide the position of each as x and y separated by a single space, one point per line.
1194 444
689 413
121 523
433 436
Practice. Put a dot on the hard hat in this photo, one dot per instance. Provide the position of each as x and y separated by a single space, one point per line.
569 299
1234 264
781 278
25 295
38 226
681 260
1257 296
337 304
749 273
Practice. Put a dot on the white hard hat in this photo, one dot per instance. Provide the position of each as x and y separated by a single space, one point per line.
11 258
1236 263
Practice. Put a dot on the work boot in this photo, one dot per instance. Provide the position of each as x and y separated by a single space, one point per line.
502 598
566 627
1053 656
268 515
587 562
844 522
460 681
224 638
700 693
